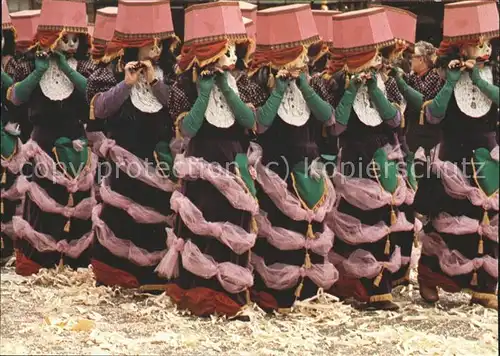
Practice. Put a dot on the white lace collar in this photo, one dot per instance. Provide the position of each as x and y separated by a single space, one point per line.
293 108
364 108
54 83
470 100
218 112
142 96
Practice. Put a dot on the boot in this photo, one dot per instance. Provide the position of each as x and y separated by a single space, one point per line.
429 294
489 301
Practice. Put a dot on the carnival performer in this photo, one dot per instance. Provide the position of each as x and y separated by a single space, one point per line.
56 226
294 191
403 26
367 179
132 96
105 55
25 23
319 62
460 244
213 110
10 142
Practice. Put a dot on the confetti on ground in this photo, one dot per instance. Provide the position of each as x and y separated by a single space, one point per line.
63 312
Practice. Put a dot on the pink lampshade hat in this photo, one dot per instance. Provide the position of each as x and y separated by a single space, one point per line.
361 31
286 26
63 15
214 21
104 29
250 27
324 24
141 21
6 21
403 24
249 11
466 20
208 31
26 24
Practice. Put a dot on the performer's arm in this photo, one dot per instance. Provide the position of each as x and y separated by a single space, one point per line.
321 110
490 90
242 112
22 90
267 112
192 122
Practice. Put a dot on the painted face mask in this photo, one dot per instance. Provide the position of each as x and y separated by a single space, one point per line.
481 51
68 43
228 60
151 52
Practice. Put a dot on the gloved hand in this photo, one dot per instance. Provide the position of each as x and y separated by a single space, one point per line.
62 62
41 63
23 89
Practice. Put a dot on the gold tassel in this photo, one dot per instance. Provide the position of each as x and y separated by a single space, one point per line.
61 263
387 249
324 133
486 218
195 75
71 202
4 176
377 280
347 81
307 261
473 282
67 226
310 233
480 247
415 240
403 121
394 218
1 206
298 291
421 120
254 227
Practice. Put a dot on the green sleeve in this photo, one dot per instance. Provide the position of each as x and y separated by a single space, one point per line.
267 112
413 97
344 108
384 107
6 80
321 110
194 119
78 80
490 90
23 89
439 104
242 112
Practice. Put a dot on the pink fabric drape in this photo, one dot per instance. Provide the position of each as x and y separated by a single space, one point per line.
16 190
133 166
457 185
362 264
83 210
452 262
231 235
285 201
354 232
16 162
282 276
141 214
286 240
8 229
233 278
229 184
462 225
46 243
123 248
95 139
48 169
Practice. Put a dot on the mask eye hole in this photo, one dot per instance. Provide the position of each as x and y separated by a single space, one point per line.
228 54
65 39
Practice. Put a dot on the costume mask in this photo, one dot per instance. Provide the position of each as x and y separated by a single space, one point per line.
228 60
68 43
151 51
482 50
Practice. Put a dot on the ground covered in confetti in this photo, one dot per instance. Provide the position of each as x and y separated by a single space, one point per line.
62 312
